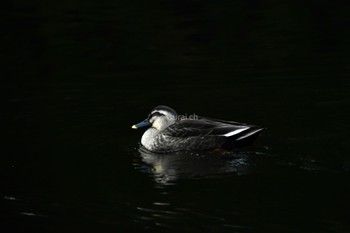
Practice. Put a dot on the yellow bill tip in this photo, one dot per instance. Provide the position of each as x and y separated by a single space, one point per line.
134 127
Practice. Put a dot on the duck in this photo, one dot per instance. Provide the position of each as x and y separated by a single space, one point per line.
169 132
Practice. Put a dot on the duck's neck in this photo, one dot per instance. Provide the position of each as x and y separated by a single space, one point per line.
148 138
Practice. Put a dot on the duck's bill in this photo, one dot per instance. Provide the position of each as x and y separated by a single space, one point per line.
141 124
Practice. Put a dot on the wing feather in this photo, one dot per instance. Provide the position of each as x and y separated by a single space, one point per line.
204 127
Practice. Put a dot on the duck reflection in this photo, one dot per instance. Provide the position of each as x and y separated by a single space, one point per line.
167 168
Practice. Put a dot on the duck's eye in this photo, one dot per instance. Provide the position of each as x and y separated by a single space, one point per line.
156 114
152 117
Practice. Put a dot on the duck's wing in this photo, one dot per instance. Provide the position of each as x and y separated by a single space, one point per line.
206 127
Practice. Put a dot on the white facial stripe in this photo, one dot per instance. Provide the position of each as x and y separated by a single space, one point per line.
160 111
237 131
160 122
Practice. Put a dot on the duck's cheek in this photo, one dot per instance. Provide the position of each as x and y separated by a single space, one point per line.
157 125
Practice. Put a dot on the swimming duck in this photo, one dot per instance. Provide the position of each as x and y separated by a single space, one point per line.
170 132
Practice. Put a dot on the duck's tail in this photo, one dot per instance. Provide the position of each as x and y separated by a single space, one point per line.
246 138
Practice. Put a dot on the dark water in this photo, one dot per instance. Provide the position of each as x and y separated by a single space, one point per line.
77 75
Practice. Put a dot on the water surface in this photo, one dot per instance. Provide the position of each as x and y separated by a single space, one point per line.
78 75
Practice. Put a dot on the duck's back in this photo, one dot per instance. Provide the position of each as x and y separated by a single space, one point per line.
203 134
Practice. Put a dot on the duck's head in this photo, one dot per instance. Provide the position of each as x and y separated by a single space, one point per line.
159 118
